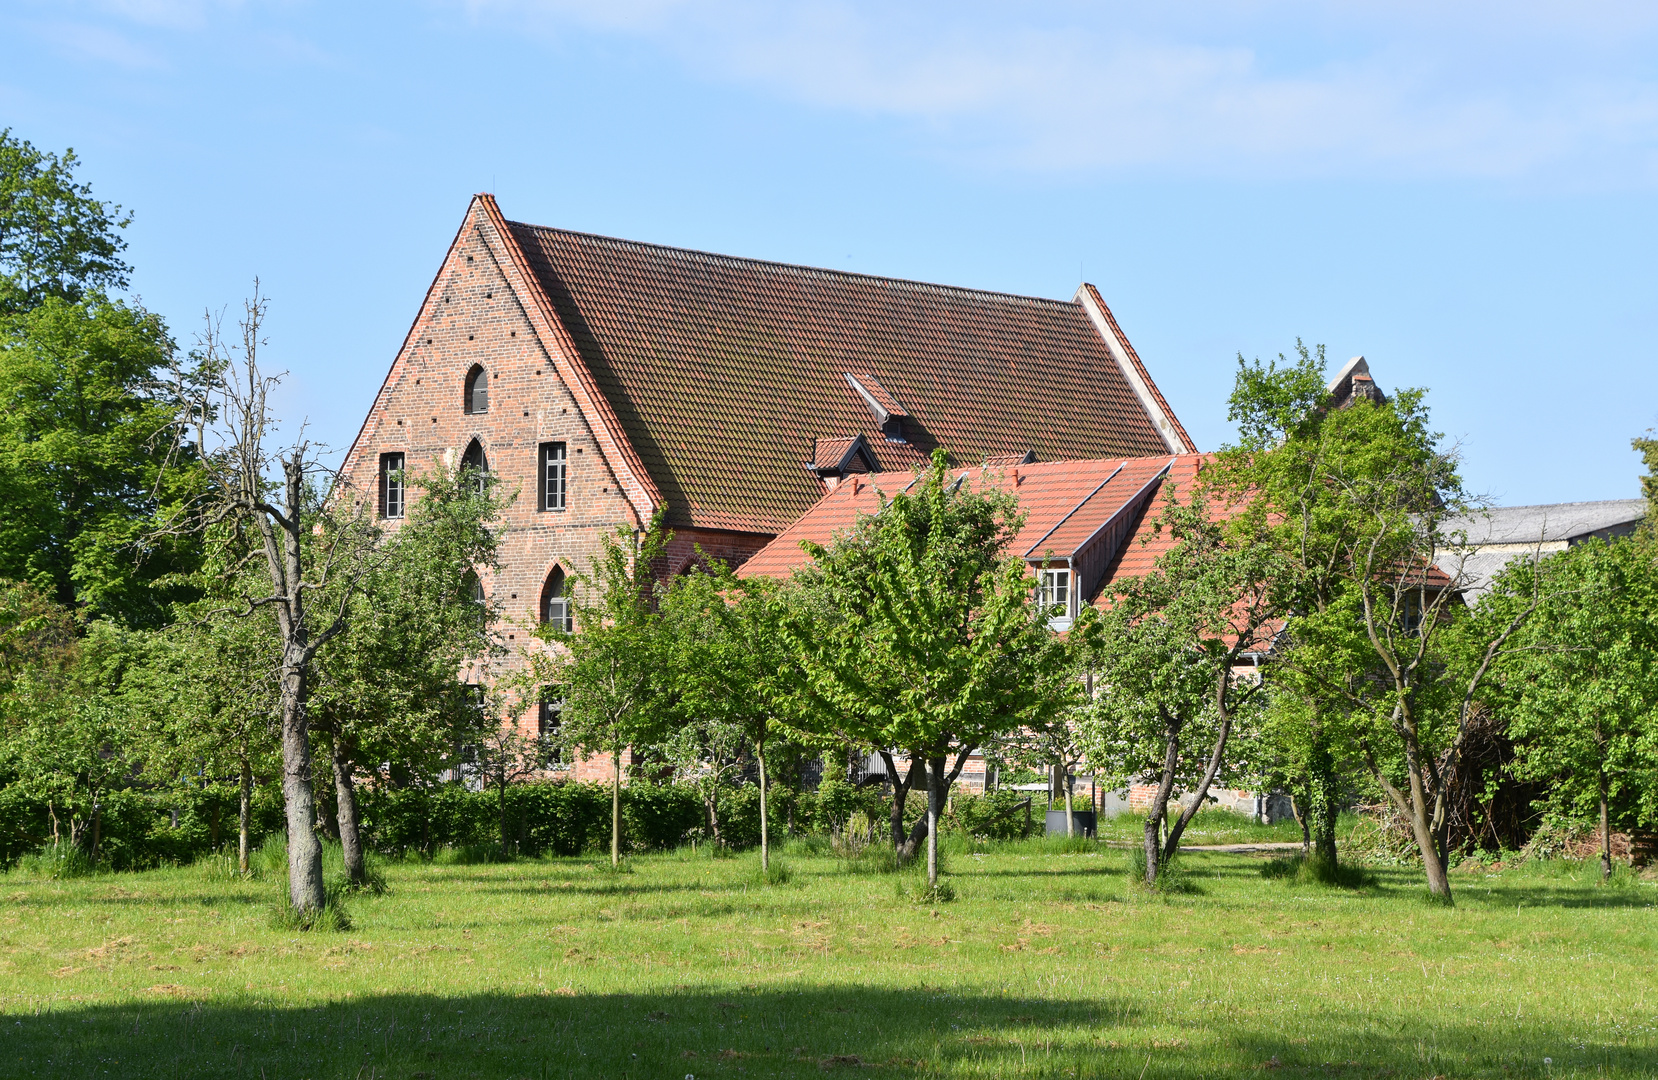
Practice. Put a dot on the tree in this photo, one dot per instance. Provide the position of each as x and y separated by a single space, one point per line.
608 671
1056 742
1355 501
388 690
1173 649
310 548
1581 689
205 694
87 471
924 636
58 741
56 240
727 681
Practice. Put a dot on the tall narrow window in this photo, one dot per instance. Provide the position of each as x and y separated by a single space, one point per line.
474 587
554 466
1055 592
555 603
475 466
392 503
549 716
477 390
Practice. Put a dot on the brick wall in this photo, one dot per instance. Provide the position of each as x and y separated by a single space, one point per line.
474 315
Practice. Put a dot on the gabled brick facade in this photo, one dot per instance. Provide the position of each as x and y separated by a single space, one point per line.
706 387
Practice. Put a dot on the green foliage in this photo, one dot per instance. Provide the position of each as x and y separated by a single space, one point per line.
386 689
922 635
997 815
331 917
1386 664
56 862
1648 449
56 240
542 818
89 472
1301 870
1173 878
1167 702
1581 690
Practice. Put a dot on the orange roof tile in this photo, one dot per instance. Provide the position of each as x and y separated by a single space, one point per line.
1066 504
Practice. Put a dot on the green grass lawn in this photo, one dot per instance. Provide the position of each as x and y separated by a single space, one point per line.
1047 964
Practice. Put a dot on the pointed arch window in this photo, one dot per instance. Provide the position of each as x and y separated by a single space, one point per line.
475 466
477 390
474 587
555 603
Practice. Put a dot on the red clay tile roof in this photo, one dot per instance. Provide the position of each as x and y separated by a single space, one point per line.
831 454
725 372
1065 504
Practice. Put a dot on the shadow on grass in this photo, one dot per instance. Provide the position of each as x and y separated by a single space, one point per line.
801 1031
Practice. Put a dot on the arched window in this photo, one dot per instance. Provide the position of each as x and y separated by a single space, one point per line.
477 390
475 466
474 587
555 603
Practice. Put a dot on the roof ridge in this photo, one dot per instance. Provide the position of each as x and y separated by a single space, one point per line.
802 268
1575 502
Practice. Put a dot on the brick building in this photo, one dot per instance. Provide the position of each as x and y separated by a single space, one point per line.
603 380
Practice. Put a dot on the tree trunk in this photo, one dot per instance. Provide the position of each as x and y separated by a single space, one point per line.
935 807
98 820
1070 817
244 812
765 848
1301 819
616 809
501 812
345 798
1160 801
1605 832
1439 883
711 810
1217 755
305 890
1322 803
900 796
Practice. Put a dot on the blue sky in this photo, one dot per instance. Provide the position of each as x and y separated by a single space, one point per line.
1462 193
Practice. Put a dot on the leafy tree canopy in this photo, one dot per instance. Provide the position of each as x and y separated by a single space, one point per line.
56 240
88 470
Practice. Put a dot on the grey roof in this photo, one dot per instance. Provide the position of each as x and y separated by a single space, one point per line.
1497 536
1552 522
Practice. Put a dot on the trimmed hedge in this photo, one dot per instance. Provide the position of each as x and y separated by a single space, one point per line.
138 831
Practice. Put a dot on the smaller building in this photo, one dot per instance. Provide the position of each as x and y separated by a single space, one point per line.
1493 538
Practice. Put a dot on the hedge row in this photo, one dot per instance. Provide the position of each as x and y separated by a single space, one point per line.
142 829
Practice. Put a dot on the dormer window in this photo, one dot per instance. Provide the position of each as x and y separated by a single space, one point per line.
1053 595
889 414
477 390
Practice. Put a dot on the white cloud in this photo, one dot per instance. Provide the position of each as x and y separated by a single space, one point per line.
1407 88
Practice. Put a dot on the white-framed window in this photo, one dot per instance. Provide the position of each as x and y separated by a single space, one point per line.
554 475
1054 593
555 603
393 500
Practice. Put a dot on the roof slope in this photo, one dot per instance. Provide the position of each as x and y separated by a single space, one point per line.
1065 503
724 371
1553 522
